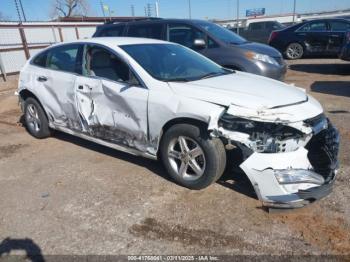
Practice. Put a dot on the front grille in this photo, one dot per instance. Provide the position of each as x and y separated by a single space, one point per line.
323 152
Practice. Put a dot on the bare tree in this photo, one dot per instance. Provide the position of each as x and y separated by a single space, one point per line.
69 8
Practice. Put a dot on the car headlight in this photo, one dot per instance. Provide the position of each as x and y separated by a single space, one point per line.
233 123
261 57
297 176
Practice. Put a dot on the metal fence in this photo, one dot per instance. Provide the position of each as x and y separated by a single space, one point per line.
18 42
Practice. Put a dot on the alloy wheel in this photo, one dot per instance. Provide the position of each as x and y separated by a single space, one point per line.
186 158
33 120
295 51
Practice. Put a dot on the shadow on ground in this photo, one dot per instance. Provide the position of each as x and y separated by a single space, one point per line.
337 88
232 178
31 249
328 69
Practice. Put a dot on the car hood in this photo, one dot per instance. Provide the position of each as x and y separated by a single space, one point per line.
242 89
261 49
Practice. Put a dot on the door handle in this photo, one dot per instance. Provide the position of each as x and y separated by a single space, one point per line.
81 87
42 79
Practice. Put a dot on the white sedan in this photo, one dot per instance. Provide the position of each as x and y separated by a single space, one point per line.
163 101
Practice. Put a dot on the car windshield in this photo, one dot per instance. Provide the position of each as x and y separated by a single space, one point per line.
221 33
171 62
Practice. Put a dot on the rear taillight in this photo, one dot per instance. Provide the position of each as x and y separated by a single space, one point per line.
273 35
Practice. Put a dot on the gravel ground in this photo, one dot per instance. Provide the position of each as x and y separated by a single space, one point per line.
64 195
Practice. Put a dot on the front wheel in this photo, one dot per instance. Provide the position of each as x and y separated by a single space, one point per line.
35 119
191 157
294 51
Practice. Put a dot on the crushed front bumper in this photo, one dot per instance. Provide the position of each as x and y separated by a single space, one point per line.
319 156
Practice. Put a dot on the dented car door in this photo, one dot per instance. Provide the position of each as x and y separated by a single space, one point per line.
112 104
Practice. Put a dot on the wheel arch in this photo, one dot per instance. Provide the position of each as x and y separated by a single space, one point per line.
180 120
25 94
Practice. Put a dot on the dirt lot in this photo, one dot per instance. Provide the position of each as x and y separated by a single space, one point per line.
66 196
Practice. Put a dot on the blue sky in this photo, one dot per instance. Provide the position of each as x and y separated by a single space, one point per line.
222 9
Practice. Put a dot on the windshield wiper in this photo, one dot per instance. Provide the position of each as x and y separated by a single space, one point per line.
213 74
179 80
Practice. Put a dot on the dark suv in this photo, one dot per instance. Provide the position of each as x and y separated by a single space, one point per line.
215 42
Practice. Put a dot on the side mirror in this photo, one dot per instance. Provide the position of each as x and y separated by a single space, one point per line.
199 43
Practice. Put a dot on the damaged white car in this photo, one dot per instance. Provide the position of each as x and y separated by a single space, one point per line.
164 101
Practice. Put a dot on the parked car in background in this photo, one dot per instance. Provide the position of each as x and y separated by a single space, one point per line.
211 40
260 31
164 101
322 37
345 51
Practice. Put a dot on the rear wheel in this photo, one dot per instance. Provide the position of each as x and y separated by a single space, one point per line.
191 157
294 51
35 119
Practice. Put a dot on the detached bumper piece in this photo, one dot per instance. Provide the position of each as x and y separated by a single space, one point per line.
323 152
316 193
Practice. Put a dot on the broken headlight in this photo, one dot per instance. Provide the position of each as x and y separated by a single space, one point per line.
296 176
264 137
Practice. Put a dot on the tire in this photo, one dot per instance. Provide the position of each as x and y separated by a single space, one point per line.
191 157
35 119
294 51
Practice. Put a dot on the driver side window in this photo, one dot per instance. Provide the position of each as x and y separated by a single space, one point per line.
100 62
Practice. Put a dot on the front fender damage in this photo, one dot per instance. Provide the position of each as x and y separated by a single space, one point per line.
280 176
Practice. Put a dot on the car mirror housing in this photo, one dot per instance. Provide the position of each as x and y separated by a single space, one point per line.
200 43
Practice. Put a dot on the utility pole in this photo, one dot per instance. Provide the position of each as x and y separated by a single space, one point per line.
157 8
18 11
132 10
149 10
189 9
103 10
294 10
237 17
24 15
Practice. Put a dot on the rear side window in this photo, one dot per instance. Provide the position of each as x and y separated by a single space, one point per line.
64 58
314 27
339 26
40 60
146 30
113 31
257 26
